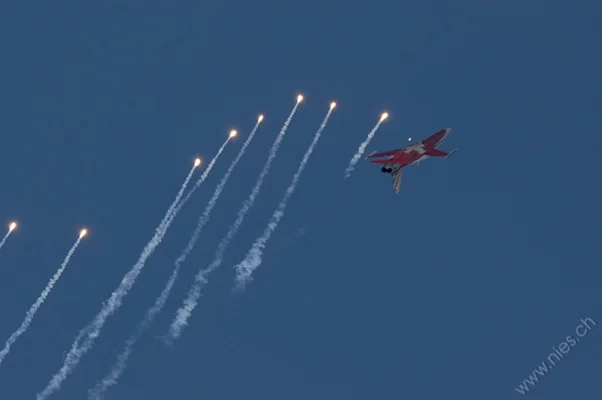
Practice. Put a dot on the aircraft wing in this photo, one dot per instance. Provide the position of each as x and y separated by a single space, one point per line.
396 177
437 138
384 153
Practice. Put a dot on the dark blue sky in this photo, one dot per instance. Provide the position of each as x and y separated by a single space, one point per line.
458 287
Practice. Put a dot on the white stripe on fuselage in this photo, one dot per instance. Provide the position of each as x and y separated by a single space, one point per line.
418 148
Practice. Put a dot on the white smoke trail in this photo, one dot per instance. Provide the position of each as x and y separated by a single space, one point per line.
184 312
245 268
11 228
92 330
111 378
170 211
34 308
362 147
4 239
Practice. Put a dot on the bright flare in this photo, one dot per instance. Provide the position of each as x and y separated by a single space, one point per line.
11 228
197 162
260 118
384 116
233 133
299 98
333 105
83 233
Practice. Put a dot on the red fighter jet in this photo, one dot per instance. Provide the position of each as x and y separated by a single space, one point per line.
400 158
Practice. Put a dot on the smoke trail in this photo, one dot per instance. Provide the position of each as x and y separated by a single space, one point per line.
172 207
92 330
111 378
253 259
34 308
362 147
183 313
5 238
11 228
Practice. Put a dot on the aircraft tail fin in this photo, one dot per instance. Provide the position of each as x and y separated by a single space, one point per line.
396 178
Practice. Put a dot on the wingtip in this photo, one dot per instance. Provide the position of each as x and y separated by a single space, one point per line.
370 155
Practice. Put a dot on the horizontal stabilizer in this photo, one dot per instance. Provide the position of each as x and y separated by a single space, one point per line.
452 152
